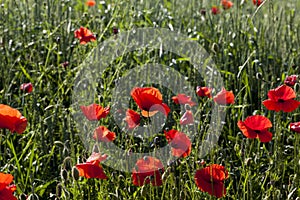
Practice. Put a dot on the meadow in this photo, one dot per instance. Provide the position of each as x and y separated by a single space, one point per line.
253 49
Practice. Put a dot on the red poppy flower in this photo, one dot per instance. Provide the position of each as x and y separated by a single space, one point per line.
211 180
12 119
6 190
103 134
94 112
281 98
149 100
257 2
91 3
224 97
26 87
215 10
226 4
84 35
256 127
203 91
187 118
92 167
291 80
183 99
147 170
180 143
132 118
295 126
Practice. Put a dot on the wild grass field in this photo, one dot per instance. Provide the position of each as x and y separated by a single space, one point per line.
253 48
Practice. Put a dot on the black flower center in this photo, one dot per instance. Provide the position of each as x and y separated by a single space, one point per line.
280 100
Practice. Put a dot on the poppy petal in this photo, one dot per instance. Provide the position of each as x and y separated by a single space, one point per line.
187 118
295 126
246 131
91 170
265 136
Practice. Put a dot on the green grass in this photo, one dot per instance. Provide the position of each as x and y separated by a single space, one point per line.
254 50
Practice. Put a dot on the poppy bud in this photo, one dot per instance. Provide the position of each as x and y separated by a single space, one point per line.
259 76
75 173
58 190
67 163
26 87
23 196
33 197
215 48
115 30
64 174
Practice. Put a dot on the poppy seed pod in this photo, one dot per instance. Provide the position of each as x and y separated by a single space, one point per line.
33 197
59 190
75 173
64 175
67 163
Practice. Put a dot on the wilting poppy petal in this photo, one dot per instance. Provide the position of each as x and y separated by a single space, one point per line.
12 119
91 3
291 80
180 143
256 127
94 112
187 118
84 35
226 4
215 10
149 100
224 97
103 134
203 91
6 190
26 87
183 99
147 170
132 118
281 99
211 180
295 126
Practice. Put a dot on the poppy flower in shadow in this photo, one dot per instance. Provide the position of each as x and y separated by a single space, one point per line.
291 80
149 100
281 98
147 170
183 99
179 142
92 167
84 35
132 118
103 134
6 189
26 87
211 180
90 3
257 2
203 91
224 97
215 10
187 118
94 112
256 127
226 4
12 119
295 126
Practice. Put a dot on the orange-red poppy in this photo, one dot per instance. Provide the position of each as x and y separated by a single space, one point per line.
132 118
215 10
90 3
92 167
103 134
257 2
291 80
94 112
180 143
211 180
26 87
149 100
203 91
224 97
295 126
226 4
6 189
147 170
187 118
256 127
281 98
183 99
84 35
12 119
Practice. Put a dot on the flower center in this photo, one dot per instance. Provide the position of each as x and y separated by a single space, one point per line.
257 131
280 100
